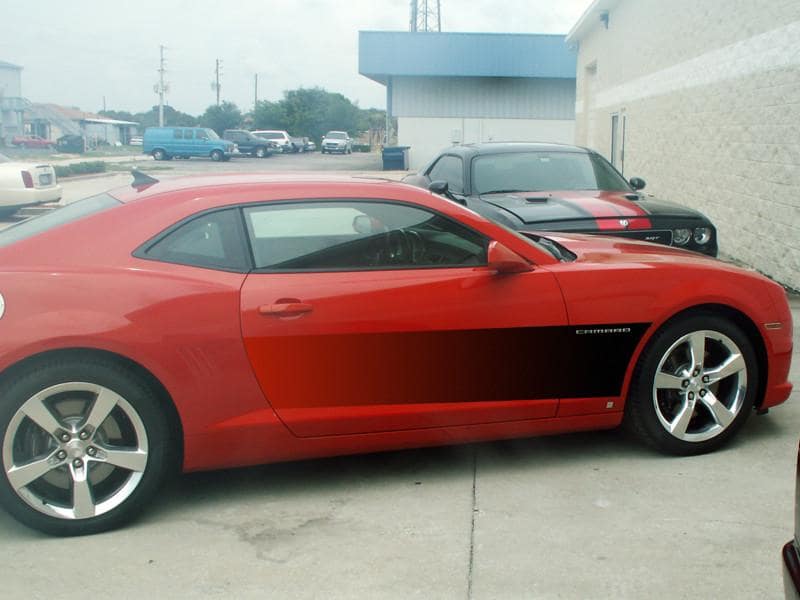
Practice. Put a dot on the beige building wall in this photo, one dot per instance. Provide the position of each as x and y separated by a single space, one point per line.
709 93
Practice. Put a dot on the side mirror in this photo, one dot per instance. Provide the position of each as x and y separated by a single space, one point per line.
506 261
439 187
637 183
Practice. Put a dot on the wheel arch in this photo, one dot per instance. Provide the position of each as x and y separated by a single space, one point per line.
37 361
744 322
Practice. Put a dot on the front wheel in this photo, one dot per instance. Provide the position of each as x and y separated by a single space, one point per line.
694 385
85 447
159 154
261 152
216 155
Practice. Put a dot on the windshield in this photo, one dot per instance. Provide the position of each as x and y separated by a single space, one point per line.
336 135
51 220
539 171
212 134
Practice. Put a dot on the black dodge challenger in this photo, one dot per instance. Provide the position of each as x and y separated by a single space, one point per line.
554 187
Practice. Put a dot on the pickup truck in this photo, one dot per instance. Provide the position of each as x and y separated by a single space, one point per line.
249 143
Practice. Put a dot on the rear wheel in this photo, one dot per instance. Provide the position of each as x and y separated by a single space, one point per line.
694 386
85 446
216 155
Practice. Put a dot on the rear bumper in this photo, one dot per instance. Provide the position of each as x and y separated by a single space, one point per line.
25 196
791 571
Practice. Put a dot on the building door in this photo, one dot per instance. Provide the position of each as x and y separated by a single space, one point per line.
617 155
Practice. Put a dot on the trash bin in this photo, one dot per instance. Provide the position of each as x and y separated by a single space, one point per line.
71 143
395 158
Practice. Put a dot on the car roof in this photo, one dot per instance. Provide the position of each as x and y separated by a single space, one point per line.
200 185
510 147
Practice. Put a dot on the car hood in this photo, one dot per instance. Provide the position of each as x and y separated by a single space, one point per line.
597 209
614 250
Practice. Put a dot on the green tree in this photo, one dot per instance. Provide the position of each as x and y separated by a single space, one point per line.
219 118
269 115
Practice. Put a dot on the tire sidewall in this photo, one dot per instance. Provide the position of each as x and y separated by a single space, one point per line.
14 393
640 407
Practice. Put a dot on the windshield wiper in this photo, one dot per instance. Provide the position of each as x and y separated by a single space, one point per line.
506 192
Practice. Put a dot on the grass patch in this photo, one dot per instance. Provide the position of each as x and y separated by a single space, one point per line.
81 168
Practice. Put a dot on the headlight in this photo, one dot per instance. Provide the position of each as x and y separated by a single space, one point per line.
681 237
702 235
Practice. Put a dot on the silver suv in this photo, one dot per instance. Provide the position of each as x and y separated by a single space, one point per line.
337 141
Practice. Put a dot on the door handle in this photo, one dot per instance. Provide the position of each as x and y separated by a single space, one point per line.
284 309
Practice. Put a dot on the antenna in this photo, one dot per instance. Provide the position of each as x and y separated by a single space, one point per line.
426 15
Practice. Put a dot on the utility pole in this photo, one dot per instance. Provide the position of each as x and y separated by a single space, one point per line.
215 85
161 87
255 101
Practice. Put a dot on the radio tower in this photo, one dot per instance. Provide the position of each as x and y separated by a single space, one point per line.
426 15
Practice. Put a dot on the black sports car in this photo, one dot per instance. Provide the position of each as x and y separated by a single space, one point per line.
554 187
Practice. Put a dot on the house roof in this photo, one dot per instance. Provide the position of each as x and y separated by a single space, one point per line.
73 113
384 54
8 65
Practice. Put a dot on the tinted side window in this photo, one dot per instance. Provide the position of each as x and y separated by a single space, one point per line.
177 134
201 134
353 235
212 240
188 134
449 169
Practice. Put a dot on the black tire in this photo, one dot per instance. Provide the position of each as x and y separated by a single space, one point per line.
135 419
260 152
216 155
322 151
159 154
684 407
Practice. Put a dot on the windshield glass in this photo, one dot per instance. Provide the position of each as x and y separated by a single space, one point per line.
336 135
538 171
60 216
212 134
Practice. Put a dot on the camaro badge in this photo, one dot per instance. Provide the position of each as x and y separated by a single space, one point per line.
625 223
602 330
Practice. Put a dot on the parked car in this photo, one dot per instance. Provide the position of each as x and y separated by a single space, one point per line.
75 144
136 140
249 143
281 138
25 183
257 319
31 141
164 143
336 141
555 187
791 551
310 146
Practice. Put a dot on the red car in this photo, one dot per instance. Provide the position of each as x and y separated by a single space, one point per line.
232 320
32 141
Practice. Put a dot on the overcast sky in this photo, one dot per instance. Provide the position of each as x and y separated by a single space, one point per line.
75 53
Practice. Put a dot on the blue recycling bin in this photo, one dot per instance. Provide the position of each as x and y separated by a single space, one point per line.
395 158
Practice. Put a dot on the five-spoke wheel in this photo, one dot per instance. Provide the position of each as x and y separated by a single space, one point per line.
81 447
694 385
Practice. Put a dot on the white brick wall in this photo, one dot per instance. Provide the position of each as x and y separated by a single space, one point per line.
711 92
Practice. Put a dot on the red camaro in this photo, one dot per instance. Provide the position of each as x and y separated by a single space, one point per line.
235 320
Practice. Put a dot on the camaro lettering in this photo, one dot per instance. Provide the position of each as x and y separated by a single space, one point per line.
601 331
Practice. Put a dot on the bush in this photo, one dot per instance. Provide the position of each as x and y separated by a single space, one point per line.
81 168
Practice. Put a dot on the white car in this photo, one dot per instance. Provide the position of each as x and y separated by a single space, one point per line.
281 138
24 183
337 141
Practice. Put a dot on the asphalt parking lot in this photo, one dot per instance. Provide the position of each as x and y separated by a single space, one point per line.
591 515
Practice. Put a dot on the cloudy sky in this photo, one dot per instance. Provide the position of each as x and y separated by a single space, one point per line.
75 53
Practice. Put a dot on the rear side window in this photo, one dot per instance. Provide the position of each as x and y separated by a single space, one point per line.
61 216
212 240
177 134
